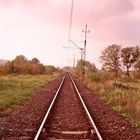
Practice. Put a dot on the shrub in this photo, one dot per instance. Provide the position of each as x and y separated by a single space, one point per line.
93 76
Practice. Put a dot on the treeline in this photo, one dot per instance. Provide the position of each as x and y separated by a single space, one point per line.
21 65
85 66
117 60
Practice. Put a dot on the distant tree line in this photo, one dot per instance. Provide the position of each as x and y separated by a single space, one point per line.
116 59
21 65
83 66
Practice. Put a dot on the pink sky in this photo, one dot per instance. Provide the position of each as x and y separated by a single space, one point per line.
39 28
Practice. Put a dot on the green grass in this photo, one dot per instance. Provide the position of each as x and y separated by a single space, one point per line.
122 94
16 89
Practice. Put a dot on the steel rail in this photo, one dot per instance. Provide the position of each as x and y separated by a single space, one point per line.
50 107
85 107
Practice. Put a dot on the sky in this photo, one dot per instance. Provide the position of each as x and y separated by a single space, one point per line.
40 28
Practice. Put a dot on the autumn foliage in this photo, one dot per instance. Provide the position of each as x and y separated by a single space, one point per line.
21 65
119 60
110 58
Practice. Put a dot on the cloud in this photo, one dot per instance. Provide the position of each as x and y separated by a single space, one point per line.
119 23
5 3
115 8
39 28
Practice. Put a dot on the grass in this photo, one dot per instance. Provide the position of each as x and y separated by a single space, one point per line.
16 89
122 94
2 132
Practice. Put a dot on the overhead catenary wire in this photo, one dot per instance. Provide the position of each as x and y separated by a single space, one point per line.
94 22
92 14
70 27
82 49
71 17
76 45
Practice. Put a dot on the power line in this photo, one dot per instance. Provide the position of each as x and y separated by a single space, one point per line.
83 50
75 45
71 17
92 14
102 10
70 26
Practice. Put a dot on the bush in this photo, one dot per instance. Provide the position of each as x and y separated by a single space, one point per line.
50 69
93 76
136 75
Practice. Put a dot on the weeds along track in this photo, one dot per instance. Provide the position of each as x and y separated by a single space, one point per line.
67 116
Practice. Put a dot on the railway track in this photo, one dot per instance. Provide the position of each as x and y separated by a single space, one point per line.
67 117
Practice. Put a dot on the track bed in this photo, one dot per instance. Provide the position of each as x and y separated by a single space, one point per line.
67 118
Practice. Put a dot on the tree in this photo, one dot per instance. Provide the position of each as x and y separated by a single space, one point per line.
137 65
36 68
50 69
9 67
129 57
110 58
81 65
90 66
19 64
3 62
35 61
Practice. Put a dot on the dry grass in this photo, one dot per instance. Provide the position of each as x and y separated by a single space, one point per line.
2 132
122 94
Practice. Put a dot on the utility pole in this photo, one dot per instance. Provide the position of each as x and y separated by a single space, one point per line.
85 43
73 62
